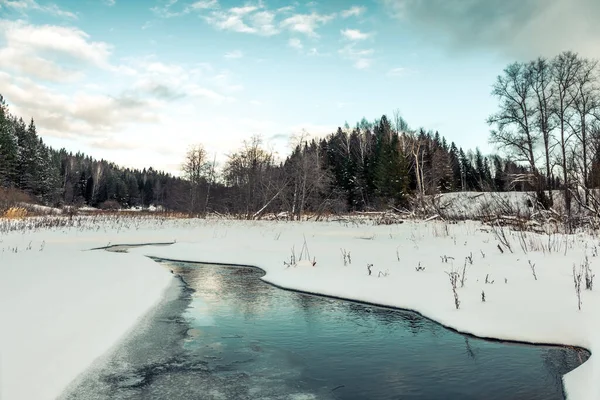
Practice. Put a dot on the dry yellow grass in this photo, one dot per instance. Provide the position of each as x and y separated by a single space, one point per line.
15 213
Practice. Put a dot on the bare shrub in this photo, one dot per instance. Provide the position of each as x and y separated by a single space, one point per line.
292 262
499 232
589 276
577 275
384 274
453 276
445 259
11 197
532 266
463 277
346 257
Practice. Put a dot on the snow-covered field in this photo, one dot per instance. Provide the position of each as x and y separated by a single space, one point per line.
62 307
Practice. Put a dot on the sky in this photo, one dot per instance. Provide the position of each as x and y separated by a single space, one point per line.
139 82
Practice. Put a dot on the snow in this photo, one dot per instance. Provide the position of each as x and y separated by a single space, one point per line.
38 209
63 306
475 205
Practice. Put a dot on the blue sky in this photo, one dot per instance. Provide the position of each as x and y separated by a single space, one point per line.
137 82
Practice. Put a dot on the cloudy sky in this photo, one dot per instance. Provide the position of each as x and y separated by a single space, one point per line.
137 82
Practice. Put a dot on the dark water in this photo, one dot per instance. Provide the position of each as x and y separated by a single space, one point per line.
232 336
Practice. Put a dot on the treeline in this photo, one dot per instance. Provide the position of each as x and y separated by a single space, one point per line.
372 166
57 177
549 120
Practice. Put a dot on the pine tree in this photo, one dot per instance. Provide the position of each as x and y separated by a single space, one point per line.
8 147
456 169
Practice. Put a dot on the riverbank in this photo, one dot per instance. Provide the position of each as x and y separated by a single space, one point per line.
409 270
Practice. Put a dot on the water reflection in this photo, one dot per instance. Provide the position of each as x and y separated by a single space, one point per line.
236 337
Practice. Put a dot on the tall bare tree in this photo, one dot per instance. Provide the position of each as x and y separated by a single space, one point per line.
307 177
515 121
564 71
248 172
195 169
544 92
585 103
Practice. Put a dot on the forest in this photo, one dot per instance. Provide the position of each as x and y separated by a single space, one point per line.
546 128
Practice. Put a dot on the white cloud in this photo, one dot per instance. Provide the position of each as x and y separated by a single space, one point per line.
247 19
360 57
234 54
363 63
66 41
243 10
398 71
224 82
229 21
52 53
205 93
169 9
170 82
110 3
295 43
355 34
350 52
254 19
84 109
204 4
353 11
31 5
166 12
62 115
264 22
285 9
306 23
21 61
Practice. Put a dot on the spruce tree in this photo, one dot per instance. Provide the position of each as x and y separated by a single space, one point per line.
9 152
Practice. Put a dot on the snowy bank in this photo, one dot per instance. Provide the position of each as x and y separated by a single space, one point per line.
518 307
61 308
97 296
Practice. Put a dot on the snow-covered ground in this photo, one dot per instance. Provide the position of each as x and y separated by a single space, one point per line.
62 307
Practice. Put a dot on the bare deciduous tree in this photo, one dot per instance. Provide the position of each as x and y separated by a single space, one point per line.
544 92
248 171
306 174
515 121
585 102
195 169
564 71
